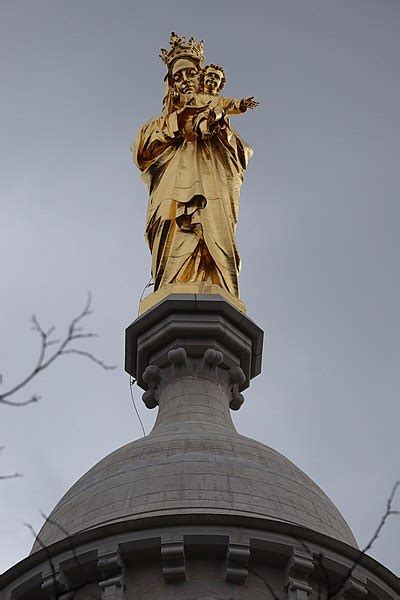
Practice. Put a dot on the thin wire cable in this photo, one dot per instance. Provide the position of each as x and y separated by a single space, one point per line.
132 382
149 284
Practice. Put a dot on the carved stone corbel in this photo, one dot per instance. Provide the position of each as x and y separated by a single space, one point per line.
173 562
180 365
57 587
298 570
112 571
237 559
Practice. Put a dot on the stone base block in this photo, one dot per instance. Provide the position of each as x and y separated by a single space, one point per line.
195 287
195 323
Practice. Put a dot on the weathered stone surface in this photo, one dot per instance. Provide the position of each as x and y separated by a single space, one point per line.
194 462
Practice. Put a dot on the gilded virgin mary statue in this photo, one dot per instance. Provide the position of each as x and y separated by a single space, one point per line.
193 163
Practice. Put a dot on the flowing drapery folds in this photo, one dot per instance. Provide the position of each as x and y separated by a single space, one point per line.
194 186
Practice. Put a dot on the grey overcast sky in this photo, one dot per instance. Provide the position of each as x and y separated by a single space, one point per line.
318 234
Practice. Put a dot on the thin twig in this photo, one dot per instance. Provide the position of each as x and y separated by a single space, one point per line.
74 332
58 595
48 556
319 558
14 475
31 400
69 538
90 356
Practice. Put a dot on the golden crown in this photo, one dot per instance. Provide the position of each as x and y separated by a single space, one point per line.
182 48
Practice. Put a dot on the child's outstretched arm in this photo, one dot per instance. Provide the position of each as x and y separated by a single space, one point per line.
236 106
249 102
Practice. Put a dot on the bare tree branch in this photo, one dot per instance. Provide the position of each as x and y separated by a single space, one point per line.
68 536
333 592
388 512
48 555
31 400
74 332
88 355
74 589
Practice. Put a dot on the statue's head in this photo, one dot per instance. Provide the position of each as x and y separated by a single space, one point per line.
213 79
184 61
185 76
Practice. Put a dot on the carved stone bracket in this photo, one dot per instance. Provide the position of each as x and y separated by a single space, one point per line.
113 576
343 585
57 587
173 562
237 559
180 365
299 568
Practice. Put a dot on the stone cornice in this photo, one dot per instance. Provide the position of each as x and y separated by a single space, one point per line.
263 526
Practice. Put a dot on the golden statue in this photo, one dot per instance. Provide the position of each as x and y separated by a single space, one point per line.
193 164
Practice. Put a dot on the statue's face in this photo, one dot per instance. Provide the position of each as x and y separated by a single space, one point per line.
212 80
186 77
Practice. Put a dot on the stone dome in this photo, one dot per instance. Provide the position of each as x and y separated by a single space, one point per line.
194 464
195 510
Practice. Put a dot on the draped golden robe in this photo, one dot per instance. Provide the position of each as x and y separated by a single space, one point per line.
194 187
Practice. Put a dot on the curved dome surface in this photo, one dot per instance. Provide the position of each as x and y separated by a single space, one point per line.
175 472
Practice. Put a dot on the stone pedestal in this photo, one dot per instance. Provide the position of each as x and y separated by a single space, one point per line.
193 336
